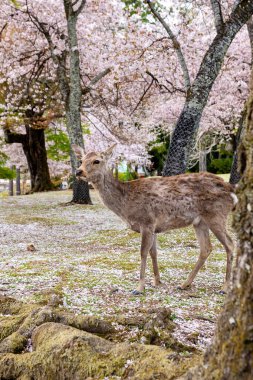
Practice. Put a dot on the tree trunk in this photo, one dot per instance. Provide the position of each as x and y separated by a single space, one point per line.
81 192
231 353
202 161
73 104
33 143
187 125
234 174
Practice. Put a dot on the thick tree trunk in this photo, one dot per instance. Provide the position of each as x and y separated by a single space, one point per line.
235 174
231 353
33 143
35 150
184 134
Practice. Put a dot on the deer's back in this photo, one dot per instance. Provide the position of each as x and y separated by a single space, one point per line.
173 202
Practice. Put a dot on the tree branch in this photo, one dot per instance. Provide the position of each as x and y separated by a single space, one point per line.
80 8
176 45
96 79
218 18
11 137
2 30
241 12
143 96
59 60
157 81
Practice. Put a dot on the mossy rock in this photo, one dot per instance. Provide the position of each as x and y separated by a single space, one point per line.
64 352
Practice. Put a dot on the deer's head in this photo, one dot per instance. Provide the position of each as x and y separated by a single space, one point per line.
93 165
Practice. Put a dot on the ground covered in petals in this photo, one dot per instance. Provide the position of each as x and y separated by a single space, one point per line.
84 259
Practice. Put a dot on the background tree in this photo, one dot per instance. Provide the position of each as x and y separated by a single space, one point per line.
198 91
27 96
144 87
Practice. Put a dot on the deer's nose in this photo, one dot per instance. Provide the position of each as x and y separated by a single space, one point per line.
79 173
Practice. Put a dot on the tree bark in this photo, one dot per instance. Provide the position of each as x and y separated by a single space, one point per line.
196 99
235 174
73 102
33 144
202 161
231 353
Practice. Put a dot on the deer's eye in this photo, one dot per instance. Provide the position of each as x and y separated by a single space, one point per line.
96 162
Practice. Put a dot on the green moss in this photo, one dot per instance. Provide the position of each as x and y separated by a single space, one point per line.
112 237
65 352
15 343
27 219
116 262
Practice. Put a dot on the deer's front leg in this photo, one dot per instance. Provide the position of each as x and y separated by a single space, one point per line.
153 254
147 238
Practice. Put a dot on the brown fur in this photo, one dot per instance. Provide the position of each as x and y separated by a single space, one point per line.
157 204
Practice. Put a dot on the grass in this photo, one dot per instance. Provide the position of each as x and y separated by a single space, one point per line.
89 257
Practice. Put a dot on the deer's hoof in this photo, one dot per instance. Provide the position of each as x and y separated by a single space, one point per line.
158 284
183 287
136 293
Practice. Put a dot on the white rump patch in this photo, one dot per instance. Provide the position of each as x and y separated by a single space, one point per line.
234 197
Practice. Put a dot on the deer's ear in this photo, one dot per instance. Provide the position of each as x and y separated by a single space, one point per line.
108 153
79 152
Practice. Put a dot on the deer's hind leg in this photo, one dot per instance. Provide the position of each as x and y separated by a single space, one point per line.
218 227
202 233
153 254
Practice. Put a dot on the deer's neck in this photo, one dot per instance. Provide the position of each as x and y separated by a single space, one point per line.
112 192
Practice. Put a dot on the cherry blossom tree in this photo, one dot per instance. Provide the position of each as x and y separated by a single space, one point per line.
58 42
130 78
198 82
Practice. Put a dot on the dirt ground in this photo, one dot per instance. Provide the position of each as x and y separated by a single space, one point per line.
86 259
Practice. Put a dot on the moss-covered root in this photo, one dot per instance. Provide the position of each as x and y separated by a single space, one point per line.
64 352
18 320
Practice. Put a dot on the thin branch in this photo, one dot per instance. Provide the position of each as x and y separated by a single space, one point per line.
96 79
176 45
59 60
142 97
152 43
174 87
157 82
218 18
80 8
2 30
96 127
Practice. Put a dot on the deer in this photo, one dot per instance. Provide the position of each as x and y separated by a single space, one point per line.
153 205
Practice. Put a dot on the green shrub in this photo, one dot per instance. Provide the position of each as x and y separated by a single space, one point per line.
127 176
220 165
7 173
